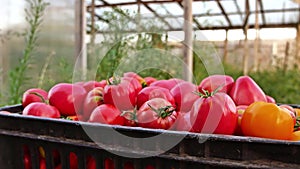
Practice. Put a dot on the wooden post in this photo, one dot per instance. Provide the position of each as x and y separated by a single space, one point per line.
93 30
80 48
225 52
256 43
286 57
246 51
297 53
188 40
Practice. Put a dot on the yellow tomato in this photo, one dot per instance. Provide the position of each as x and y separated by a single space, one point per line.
295 136
267 120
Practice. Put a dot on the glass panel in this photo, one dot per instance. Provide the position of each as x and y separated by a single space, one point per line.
251 20
175 23
274 18
229 6
173 9
236 19
279 4
291 17
209 7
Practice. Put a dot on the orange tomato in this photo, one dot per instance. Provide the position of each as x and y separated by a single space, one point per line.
295 136
267 120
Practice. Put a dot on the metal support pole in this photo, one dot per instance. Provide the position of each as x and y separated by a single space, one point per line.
256 43
225 53
246 51
188 40
80 48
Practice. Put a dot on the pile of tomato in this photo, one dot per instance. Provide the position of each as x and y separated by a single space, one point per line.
218 105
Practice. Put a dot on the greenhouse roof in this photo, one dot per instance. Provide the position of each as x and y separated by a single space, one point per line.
207 14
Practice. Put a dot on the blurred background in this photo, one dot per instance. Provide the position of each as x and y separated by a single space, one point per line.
92 39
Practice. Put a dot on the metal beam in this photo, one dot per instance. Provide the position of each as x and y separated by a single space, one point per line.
286 25
238 10
263 17
162 19
247 6
223 12
148 2
228 13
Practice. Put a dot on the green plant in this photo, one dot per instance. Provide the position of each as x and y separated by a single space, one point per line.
17 76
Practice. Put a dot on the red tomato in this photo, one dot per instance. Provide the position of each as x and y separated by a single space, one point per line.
120 95
149 80
30 97
183 122
291 110
212 82
67 98
151 92
135 84
135 76
88 86
214 114
27 160
58 166
107 114
240 111
130 117
149 167
42 110
270 99
91 163
73 160
245 91
156 113
128 165
184 96
109 164
42 163
168 84
93 99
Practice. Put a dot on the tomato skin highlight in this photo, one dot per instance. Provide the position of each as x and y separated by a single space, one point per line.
267 120
214 114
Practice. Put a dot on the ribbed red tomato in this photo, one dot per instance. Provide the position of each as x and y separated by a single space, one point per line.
156 113
214 113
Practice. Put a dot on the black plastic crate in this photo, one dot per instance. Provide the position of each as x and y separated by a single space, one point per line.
209 151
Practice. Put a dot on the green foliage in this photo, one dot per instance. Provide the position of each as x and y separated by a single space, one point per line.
17 76
143 53
284 86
